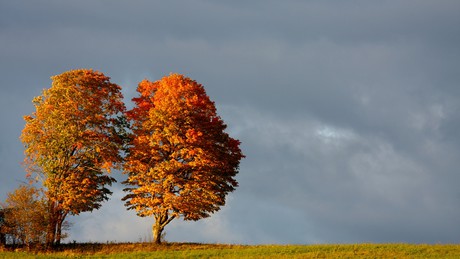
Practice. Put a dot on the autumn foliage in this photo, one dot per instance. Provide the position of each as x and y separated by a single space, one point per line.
24 217
180 161
72 141
172 146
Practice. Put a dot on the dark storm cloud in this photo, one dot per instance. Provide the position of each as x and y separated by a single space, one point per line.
347 111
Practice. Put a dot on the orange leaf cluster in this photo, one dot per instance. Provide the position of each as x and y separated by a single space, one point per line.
180 162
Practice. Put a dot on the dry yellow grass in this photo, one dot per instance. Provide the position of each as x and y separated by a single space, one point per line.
192 250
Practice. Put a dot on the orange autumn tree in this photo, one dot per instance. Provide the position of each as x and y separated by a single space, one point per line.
72 140
180 162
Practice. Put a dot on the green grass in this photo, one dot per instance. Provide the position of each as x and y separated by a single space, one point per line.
185 250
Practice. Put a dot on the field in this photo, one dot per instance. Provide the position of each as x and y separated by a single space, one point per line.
188 250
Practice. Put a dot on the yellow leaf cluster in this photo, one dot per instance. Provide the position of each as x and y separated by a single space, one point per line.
70 139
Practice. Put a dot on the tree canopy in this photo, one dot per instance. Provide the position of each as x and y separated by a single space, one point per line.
24 216
172 145
180 160
72 141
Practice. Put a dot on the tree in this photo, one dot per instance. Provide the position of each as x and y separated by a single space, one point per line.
72 141
25 216
3 227
180 161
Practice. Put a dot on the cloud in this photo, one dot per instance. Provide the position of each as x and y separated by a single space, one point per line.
347 112
344 183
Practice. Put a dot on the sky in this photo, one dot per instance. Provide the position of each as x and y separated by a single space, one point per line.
347 110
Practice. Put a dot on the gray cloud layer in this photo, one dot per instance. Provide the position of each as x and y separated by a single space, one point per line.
347 110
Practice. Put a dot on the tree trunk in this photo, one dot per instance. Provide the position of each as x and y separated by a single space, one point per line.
59 230
51 232
50 235
161 220
2 238
157 230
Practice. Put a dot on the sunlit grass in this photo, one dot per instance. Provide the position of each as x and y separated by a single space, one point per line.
190 250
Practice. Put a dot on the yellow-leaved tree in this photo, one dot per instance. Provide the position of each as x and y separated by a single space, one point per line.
24 217
72 141
180 161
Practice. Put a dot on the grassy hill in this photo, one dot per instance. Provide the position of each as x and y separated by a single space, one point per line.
189 250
